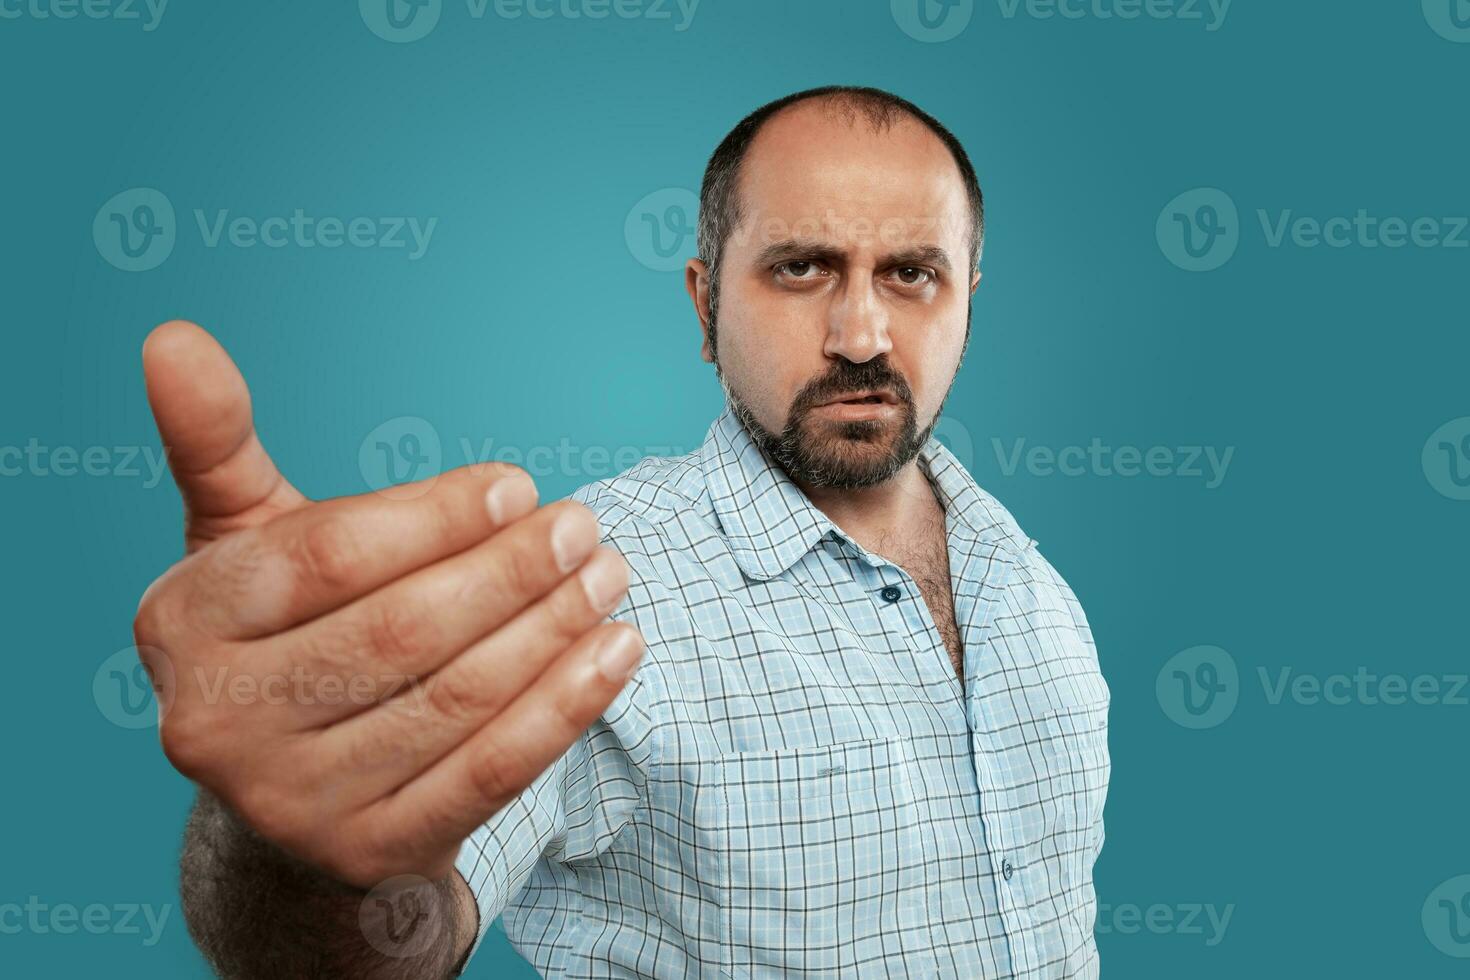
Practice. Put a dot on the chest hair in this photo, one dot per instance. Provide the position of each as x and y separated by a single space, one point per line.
927 562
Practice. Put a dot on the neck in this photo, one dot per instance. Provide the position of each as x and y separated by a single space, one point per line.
880 512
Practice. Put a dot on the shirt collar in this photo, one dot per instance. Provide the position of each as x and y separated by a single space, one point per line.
769 523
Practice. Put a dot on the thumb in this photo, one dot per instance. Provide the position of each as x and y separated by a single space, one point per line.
202 407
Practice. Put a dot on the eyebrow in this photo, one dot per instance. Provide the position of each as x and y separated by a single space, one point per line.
793 249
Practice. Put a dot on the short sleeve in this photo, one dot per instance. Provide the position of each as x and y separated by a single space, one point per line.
575 809
570 813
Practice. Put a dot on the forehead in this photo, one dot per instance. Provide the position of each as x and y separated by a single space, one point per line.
812 173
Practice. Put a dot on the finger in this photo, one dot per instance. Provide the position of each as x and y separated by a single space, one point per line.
478 778
329 555
202 407
411 627
390 745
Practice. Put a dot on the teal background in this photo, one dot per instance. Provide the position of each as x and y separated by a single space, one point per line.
530 320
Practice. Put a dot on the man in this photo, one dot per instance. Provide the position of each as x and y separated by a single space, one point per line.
868 732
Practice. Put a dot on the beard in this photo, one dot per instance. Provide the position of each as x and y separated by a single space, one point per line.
840 454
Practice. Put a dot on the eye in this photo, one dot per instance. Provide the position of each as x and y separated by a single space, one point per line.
799 270
912 275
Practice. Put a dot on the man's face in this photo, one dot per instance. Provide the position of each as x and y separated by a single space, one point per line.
848 276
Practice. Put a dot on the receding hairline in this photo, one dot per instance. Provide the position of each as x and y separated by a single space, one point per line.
841 107
879 110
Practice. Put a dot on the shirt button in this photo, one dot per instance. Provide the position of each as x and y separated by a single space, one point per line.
891 593
1007 869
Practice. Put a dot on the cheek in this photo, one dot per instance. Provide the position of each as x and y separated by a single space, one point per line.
932 366
767 348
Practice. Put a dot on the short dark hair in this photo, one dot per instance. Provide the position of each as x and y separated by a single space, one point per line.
720 210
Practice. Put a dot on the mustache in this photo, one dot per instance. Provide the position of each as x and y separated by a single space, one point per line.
850 377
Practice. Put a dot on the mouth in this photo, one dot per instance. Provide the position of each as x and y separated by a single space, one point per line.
865 398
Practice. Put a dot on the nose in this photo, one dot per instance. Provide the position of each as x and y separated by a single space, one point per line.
857 323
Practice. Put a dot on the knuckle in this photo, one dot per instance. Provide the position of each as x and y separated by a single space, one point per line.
567 707
355 866
274 814
392 746
328 552
372 850
489 775
442 518
160 608
398 630
520 569
344 856
152 620
568 614
182 745
460 696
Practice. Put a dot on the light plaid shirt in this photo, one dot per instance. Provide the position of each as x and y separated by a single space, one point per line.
794 782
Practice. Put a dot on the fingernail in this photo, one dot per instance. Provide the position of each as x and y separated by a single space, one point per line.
602 581
568 545
619 656
510 495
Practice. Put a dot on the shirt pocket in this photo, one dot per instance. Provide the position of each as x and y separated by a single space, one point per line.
1076 767
821 860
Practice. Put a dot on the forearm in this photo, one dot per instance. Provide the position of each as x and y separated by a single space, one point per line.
255 911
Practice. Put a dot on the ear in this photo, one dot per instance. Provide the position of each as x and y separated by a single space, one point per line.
975 282
696 283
